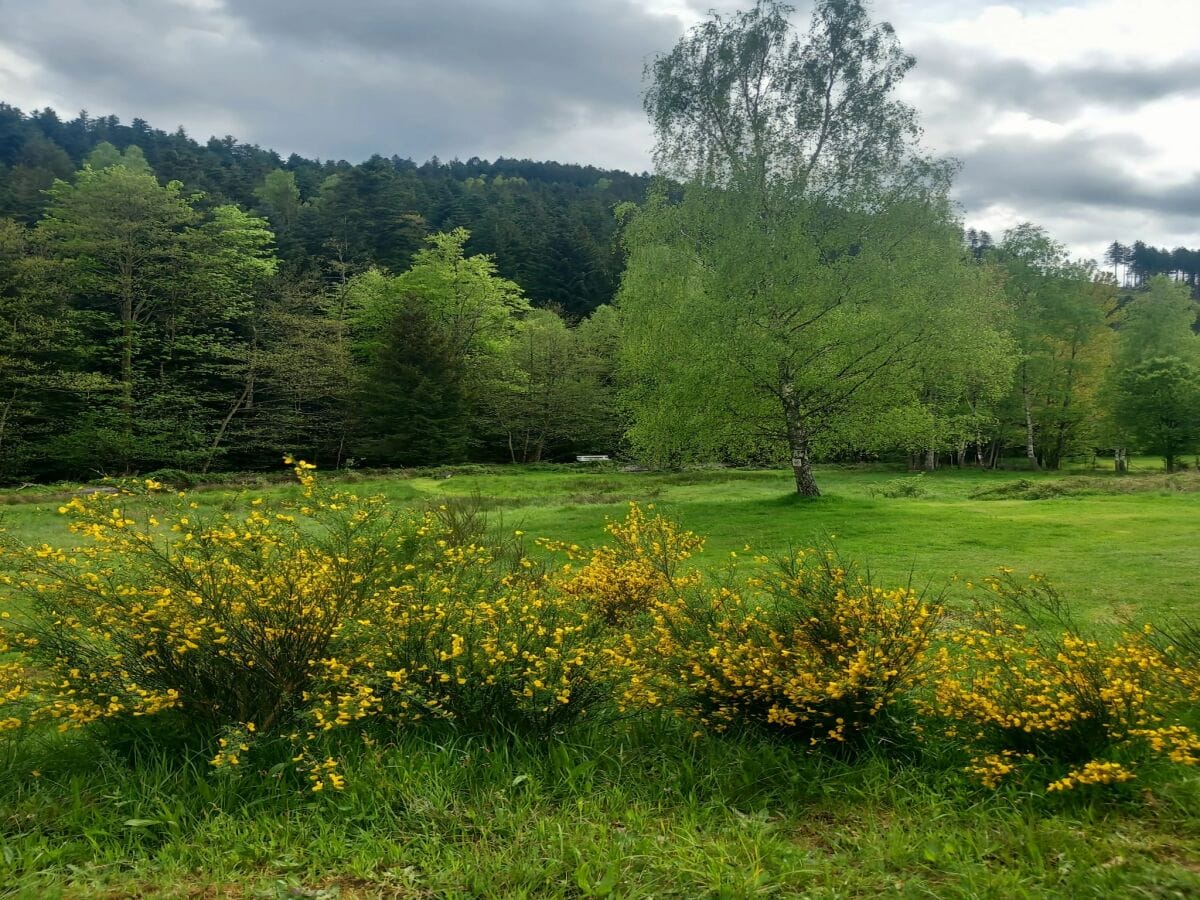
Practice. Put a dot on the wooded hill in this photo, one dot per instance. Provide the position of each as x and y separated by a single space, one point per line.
549 225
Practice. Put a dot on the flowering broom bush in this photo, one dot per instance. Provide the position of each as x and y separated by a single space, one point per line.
331 614
217 616
287 621
1026 689
476 638
810 650
641 564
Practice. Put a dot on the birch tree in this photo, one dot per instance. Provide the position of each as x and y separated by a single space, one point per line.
802 254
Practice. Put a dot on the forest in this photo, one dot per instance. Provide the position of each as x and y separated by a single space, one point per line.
175 305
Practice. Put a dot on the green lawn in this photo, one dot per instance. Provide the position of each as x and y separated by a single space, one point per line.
1114 554
643 809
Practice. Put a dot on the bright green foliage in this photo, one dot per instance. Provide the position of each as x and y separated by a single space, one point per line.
104 156
280 196
753 341
549 388
1160 322
1061 325
811 260
427 340
1158 404
1155 386
472 305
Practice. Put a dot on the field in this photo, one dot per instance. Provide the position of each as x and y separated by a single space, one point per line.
644 808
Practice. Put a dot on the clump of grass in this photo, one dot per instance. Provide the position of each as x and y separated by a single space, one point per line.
1023 489
912 486
1080 485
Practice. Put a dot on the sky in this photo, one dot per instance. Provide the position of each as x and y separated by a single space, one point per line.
1079 115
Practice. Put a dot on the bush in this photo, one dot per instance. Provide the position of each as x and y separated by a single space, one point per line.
174 478
218 616
640 565
811 651
912 486
1024 489
491 645
289 621
1025 688
296 624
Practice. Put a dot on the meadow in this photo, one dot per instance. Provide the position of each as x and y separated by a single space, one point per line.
643 806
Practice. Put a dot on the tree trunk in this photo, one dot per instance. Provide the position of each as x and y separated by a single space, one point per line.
1030 446
212 451
806 485
1120 463
126 381
798 439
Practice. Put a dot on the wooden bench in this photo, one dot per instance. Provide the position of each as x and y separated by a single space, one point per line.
592 459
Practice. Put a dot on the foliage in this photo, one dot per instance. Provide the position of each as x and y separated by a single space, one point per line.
413 407
1158 404
799 167
912 486
290 620
638 569
810 650
551 388
1154 390
220 617
1061 326
1024 686
290 629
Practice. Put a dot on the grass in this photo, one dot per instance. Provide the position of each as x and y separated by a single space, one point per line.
641 812
644 809
1112 550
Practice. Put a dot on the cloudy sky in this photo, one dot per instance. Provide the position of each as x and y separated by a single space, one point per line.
1081 115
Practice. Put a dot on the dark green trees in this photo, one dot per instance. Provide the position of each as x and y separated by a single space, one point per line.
412 408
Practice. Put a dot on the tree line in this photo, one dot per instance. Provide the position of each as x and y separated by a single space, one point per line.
549 225
143 328
793 286
1134 264
806 292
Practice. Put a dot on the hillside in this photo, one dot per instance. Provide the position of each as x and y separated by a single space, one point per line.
550 225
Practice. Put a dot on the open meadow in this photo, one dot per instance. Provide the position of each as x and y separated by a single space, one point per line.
645 804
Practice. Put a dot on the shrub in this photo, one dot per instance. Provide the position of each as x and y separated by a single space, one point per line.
811 650
289 621
1025 489
641 565
912 486
218 616
174 478
493 645
1024 687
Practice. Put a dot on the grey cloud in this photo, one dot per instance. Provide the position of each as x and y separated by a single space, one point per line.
578 49
1082 185
414 78
1077 185
1053 92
